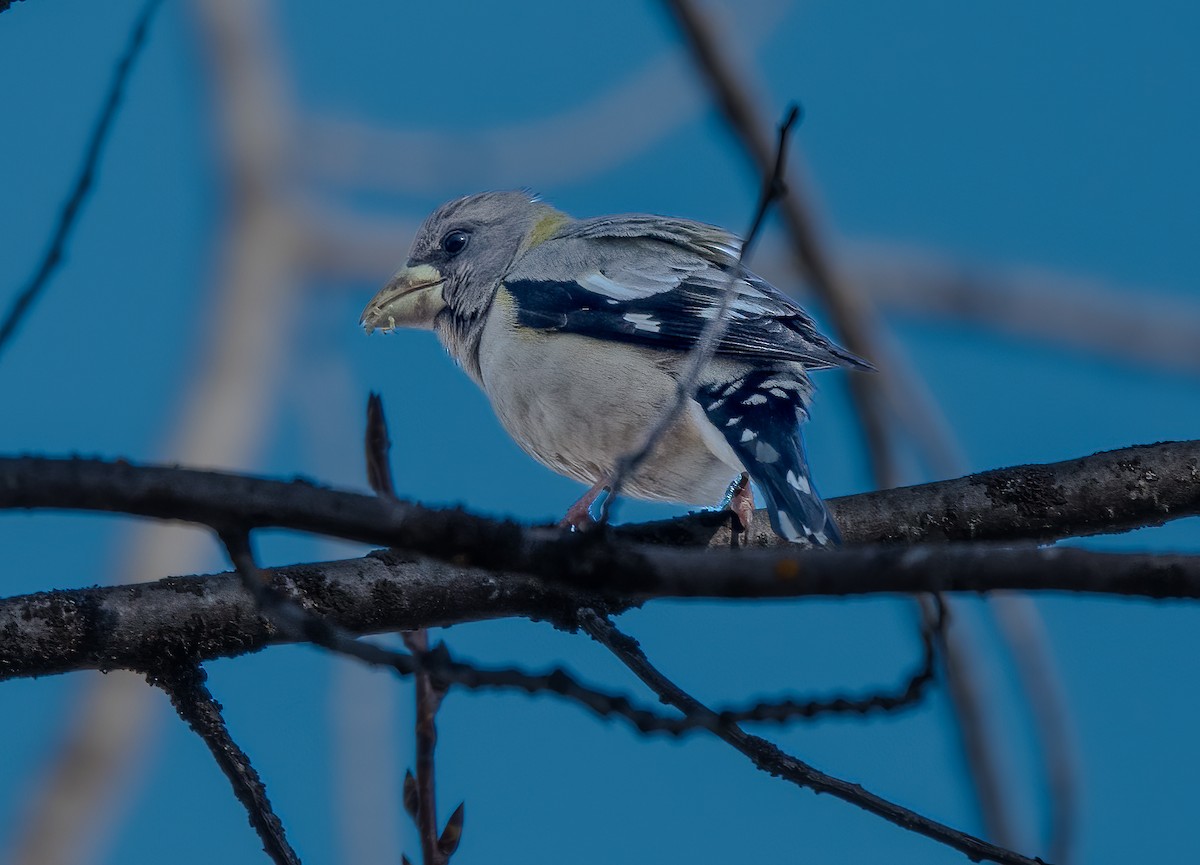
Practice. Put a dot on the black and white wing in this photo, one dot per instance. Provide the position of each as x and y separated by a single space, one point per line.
657 282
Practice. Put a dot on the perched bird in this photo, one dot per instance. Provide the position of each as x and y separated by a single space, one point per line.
578 329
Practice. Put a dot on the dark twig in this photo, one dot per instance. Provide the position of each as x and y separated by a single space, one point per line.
422 800
184 683
435 669
646 720
67 219
429 700
376 447
706 346
909 695
855 320
851 313
772 760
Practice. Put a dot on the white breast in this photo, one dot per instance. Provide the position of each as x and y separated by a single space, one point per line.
577 404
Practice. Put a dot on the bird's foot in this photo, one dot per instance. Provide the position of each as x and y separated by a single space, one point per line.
579 515
741 502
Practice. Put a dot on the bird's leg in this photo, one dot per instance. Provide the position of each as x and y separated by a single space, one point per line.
579 515
741 501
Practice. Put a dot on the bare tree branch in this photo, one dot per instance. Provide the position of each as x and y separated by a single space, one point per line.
69 216
589 138
1136 324
1132 323
421 794
185 684
1029 645
856 321
205 618
852 315
770 759
1111 491
86 788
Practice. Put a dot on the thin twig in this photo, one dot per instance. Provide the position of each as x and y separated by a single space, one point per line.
184 683
295 623
84 182
706 346
769 758
429 700
851 314
423 800
856 322
377 444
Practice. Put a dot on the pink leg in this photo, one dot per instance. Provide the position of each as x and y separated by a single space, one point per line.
579 515
742 503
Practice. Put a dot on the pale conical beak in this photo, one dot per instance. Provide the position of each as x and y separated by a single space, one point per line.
412 298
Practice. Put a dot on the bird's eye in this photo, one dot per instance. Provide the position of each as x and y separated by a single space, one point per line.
455 242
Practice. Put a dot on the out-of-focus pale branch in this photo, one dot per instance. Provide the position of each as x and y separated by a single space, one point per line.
590 137
1055 308
1036 303
239 360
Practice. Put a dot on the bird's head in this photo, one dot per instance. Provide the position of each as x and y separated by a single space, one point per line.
459 257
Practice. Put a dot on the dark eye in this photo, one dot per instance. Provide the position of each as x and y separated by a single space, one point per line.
455 242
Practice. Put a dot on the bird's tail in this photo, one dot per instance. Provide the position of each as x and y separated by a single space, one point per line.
760 416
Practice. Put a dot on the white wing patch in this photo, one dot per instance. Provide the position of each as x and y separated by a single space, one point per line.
798 482
643 321
596 281
764 453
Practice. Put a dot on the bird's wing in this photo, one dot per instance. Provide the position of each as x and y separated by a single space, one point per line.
657 282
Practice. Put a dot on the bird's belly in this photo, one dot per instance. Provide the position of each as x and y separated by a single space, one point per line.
578 404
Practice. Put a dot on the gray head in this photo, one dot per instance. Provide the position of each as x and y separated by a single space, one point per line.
459 257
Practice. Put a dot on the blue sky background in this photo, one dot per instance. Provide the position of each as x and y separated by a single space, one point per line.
1059 135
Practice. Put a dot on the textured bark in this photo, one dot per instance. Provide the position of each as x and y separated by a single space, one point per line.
201 618
1112 491
496 565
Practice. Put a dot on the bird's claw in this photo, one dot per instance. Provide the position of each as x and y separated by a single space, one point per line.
579 515
741 502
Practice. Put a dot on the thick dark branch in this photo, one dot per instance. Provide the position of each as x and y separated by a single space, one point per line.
770 759
1105 493
1113 491
210 617
203 618
185 685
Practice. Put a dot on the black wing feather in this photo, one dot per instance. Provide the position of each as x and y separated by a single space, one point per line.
763 323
